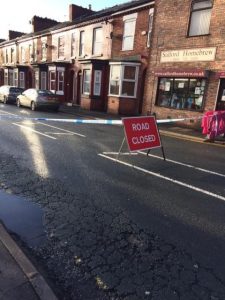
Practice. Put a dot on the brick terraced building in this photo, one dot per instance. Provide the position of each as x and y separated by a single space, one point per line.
96 60
186 72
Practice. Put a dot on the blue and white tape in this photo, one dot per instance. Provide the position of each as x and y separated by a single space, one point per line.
88 121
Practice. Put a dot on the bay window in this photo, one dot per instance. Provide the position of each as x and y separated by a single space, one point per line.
123 80
86 81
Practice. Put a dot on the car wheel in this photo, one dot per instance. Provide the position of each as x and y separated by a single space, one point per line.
33 106
5 100
18 103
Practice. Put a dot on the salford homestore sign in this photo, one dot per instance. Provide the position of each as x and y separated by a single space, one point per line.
141 133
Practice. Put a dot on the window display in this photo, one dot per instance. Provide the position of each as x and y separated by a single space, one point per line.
181 93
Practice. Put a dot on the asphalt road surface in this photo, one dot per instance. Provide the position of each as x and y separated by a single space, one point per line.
126 226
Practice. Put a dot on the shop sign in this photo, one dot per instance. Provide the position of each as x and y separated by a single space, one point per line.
141 133
180 73
187 55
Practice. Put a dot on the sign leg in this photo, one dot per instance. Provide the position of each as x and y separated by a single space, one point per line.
120 148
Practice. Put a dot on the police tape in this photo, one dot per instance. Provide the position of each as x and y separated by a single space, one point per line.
88 121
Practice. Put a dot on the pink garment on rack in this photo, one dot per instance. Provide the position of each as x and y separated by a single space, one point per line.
213 123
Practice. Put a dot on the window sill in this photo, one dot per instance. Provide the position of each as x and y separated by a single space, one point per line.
199 35
122 96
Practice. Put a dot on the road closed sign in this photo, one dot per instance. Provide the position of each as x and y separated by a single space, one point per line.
141 133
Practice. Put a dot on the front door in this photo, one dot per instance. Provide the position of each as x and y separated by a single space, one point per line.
220 105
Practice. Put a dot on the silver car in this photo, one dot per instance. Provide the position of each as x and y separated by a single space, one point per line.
35 98
8 94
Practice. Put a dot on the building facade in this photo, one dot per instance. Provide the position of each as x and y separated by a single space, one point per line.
97 60
185 75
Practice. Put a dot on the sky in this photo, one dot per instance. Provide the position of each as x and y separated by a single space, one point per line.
16 15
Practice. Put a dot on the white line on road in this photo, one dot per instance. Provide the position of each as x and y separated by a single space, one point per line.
169 160
65 130
7 113
189 186
38 132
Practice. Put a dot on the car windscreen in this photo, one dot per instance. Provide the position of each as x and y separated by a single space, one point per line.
45 93
16 90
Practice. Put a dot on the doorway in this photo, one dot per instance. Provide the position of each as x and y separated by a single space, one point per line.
220 105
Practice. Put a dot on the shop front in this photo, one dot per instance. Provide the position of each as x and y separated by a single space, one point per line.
182 89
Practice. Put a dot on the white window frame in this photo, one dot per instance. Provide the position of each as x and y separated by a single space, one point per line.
21 79
97 41
97 82
52 71
129 20
86 82
43 51
6 76
150 25
15 77
43 80
6 56
81 43
60 72
197 25
73 44
122 79
36 79
61 47
11 76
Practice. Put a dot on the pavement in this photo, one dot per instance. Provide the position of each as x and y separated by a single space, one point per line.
19 278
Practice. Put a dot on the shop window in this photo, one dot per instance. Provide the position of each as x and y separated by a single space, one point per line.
181 93
200 17
97 41
86 81
129 32
123 80
97 82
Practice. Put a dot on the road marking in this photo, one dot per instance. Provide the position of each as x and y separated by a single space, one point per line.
168 160
32 130
7 113
185 165
65 130
189 186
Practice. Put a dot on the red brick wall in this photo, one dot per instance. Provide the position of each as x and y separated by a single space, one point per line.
140 53
170 33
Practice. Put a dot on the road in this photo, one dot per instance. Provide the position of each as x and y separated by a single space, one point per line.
118 227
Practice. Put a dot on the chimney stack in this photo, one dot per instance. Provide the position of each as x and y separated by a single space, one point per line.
76 11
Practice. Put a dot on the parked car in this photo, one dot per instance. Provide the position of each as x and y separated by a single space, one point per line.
8 94
35 98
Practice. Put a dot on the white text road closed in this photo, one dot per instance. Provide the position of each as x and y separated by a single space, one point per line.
141 133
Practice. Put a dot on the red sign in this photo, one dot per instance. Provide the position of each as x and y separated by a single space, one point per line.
141 133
